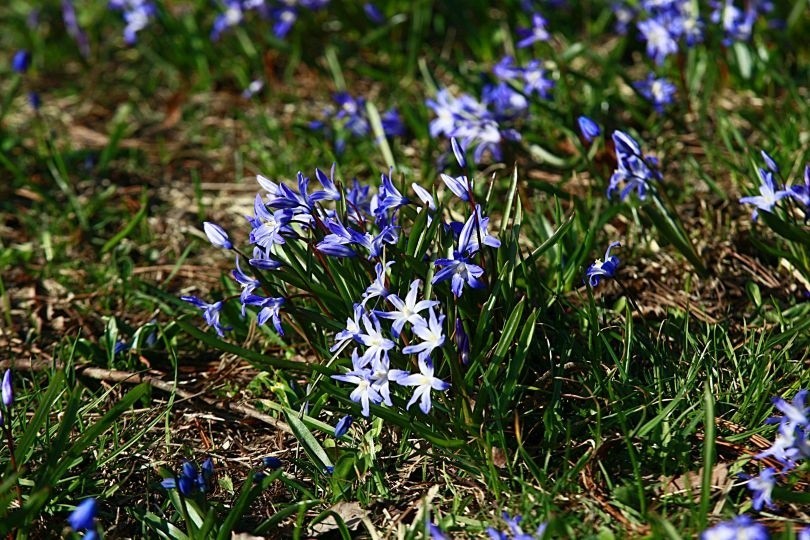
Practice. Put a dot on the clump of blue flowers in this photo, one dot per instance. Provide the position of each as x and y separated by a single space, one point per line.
739 527
192 480
791 447
282 13
349 118
669 25
485 124
397 336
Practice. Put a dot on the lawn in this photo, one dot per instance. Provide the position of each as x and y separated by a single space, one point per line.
405 269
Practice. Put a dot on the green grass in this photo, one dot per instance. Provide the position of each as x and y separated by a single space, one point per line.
618 412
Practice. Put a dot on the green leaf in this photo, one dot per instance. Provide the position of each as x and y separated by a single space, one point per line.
786 230
305 437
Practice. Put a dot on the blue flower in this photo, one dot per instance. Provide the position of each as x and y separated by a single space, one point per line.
458 152
137 14
462 341
352 330
271 462
504 101
217 235
351 111
804 534
7 389
373 13
364 392
537 32
34 100
460 271
21 61
389 198
660 42
425 382
392 123
739 527
406 311
343 426
270 309
635 170
253 88
506 70
659 91
762 486
231 17
769 162
460 186
603 269
377 287
249 284
431 332
801 193
210 312
768 194
737 24
588 128
83 516
513 525
374 340
476 232
536 80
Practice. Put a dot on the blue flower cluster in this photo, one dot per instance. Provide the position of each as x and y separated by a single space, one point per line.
657 90
739 527
349 116
769 195
666 24
191 480
283 13
635 170
83 518
484 124
791 446
384 326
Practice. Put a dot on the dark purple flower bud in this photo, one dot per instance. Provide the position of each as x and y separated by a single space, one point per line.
258 477
84 516
189 469
271 462
169 483
373 13
343 426
588 128
186 485
8 390
34 100
21 61
462 342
